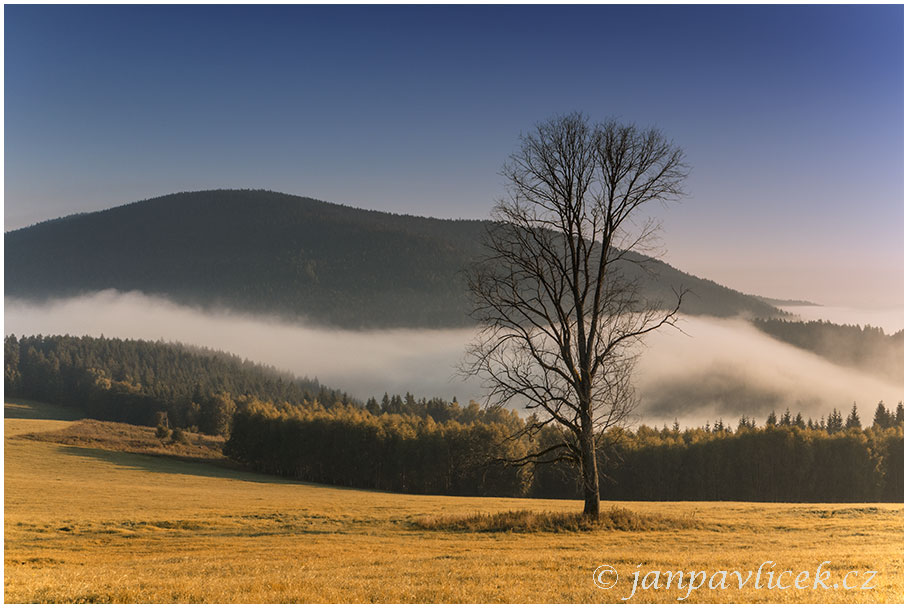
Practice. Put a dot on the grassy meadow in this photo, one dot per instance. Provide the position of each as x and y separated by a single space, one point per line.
89 521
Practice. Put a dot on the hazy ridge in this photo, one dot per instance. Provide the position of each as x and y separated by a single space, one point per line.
264 252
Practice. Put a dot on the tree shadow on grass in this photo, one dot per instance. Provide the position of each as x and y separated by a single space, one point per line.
28 409
189 466
177 465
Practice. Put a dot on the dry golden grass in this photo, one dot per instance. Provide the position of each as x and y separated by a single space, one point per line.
89 433
88 524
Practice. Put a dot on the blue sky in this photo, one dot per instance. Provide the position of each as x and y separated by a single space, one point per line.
791 117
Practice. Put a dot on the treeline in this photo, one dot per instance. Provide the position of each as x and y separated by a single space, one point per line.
392 452
133 380
417 454
865 347
773 463
300 429
439 410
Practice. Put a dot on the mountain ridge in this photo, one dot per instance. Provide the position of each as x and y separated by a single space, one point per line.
264 252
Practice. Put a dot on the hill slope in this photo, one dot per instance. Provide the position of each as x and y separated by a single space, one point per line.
133 380
267 252
865 348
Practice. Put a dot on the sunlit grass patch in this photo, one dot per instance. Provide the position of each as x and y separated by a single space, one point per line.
136 439
528 521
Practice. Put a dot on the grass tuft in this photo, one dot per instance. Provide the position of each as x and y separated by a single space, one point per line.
528 521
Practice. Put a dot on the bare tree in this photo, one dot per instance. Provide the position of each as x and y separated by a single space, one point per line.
560 316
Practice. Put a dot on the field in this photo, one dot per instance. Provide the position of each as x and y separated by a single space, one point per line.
88 524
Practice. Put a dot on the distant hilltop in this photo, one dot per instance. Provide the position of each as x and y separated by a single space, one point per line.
264 252
780 302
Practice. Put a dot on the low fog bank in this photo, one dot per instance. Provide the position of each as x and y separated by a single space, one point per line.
717 368
363 364
727 368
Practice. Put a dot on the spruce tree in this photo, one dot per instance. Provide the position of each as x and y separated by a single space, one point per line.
882 417
853 421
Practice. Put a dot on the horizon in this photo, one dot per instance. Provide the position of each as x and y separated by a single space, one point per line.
845 314
790 116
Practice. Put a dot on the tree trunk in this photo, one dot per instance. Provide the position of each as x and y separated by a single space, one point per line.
589 474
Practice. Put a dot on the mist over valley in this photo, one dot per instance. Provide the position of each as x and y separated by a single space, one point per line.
713 368
372 303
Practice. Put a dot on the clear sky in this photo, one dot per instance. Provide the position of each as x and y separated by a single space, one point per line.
791 117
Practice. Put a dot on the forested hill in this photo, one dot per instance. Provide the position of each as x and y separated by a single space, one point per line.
266 252
866 348
132 380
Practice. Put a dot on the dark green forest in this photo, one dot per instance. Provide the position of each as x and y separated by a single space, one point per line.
264 252
865 347
299 429
131 381
393 452
779 461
